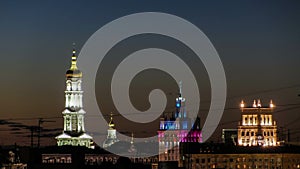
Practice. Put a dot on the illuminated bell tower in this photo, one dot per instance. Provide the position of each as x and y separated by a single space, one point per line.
111 134
74 131
257 127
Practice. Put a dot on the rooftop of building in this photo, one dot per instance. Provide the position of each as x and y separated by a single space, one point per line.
221 148
257 104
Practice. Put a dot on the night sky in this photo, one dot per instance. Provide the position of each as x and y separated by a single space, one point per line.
258 43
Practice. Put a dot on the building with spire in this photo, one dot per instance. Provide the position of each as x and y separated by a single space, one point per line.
73 114
257 127
111 134
175 129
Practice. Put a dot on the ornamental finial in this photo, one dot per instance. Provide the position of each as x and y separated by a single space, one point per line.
111 123
242 105
74 59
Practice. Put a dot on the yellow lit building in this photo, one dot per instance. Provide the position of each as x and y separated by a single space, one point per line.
257 127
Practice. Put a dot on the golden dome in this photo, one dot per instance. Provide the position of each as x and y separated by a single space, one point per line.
74 72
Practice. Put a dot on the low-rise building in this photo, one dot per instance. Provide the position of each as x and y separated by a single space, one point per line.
222 156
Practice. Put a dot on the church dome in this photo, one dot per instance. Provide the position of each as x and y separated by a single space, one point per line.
74 72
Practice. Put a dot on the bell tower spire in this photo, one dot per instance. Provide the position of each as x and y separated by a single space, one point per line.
74 59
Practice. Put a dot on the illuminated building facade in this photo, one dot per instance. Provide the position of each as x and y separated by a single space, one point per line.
175 129
74 131
257 127
111 134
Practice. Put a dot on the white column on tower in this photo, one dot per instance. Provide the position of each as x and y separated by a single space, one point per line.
65 125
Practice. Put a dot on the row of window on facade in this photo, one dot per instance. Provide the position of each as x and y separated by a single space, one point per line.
265 133
173 125
169 143
52 158
74 142
73 100
170 157
178 135
145 160
239 160
73 86
253 120
198 166
74 123
98 160
242 162
248 141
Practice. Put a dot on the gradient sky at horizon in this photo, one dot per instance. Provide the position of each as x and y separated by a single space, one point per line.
258 43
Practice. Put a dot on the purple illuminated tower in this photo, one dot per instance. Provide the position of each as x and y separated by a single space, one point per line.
175 129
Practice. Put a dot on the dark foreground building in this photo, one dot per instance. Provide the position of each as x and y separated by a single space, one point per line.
222 156
81 158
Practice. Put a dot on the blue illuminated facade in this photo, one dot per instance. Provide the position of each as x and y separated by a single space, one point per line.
175 129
